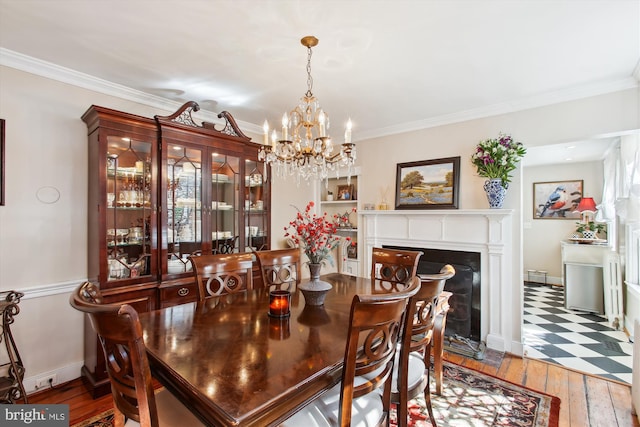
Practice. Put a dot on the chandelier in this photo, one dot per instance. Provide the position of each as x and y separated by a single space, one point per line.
305 148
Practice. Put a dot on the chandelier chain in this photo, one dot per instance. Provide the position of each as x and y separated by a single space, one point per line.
309 78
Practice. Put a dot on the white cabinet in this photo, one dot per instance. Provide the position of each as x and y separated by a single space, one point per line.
582 269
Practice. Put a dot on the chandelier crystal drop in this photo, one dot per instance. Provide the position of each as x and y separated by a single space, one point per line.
305 148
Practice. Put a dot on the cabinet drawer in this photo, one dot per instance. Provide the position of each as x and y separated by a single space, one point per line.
142 298
178 294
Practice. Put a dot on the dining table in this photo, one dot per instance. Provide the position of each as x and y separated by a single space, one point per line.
233 364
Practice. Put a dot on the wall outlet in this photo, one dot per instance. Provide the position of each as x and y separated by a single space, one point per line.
45 382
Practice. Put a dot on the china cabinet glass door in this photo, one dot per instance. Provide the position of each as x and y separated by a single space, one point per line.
128 201
256 215
184 207
225 203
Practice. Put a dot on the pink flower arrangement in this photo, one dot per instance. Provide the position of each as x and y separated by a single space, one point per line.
316 234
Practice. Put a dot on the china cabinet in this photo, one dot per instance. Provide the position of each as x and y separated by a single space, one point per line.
160 190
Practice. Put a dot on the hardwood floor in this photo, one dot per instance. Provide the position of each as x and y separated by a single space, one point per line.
586 401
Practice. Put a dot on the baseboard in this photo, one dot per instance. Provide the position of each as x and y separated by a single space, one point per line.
63 374
551 280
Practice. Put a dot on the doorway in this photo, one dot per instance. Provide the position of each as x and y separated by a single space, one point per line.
551 332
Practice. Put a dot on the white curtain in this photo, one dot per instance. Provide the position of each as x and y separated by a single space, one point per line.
627 180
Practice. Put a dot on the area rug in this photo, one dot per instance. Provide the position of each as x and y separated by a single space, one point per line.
469 398
105 419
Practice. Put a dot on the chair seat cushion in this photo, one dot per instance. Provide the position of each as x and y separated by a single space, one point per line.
367 411
171 412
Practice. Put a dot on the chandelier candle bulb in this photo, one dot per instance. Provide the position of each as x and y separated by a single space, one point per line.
285 125
279 303
265 127
274 139
323 130
347 133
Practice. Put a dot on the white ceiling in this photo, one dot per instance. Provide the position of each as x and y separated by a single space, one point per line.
390 65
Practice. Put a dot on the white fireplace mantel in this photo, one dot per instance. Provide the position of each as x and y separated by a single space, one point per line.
485 231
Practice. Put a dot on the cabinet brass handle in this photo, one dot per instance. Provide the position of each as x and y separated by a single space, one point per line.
183 292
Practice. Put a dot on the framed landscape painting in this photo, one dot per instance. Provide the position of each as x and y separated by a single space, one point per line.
428 184
557 199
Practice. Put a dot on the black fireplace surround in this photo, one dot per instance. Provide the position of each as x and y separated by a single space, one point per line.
463 319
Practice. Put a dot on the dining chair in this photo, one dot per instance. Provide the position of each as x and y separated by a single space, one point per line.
222 274
375 324
412 370
393 267
120 333
280 268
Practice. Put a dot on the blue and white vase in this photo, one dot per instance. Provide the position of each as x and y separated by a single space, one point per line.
495 192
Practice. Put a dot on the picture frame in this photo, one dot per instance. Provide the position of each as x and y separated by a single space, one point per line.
428 184
2 126
345 192
557 199
352 250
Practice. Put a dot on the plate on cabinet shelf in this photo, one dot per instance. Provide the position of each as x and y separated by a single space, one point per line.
219 177
253 180
182 203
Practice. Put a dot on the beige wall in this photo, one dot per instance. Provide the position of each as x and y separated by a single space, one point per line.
42 246
542 237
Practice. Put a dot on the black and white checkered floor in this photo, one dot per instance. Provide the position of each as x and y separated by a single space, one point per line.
577 340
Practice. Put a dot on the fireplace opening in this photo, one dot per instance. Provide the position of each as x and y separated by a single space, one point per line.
463 320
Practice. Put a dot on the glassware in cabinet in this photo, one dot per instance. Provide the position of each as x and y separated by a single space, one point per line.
128 208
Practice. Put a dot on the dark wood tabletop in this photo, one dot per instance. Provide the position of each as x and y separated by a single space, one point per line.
234 365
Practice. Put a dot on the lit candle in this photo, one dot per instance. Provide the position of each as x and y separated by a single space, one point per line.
321 120
274 139
347 133
265 127
279 302
285 125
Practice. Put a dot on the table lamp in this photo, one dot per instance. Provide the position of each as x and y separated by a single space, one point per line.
587 207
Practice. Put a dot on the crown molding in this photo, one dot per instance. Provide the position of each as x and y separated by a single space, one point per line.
550 98
52 71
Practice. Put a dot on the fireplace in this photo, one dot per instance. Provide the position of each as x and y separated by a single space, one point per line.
463 319
487 233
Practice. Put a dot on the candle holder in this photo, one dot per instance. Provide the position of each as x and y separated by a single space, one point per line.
279 303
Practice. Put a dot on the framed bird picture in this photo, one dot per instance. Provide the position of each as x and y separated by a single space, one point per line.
557 199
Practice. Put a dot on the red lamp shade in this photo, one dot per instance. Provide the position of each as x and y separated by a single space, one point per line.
587 204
